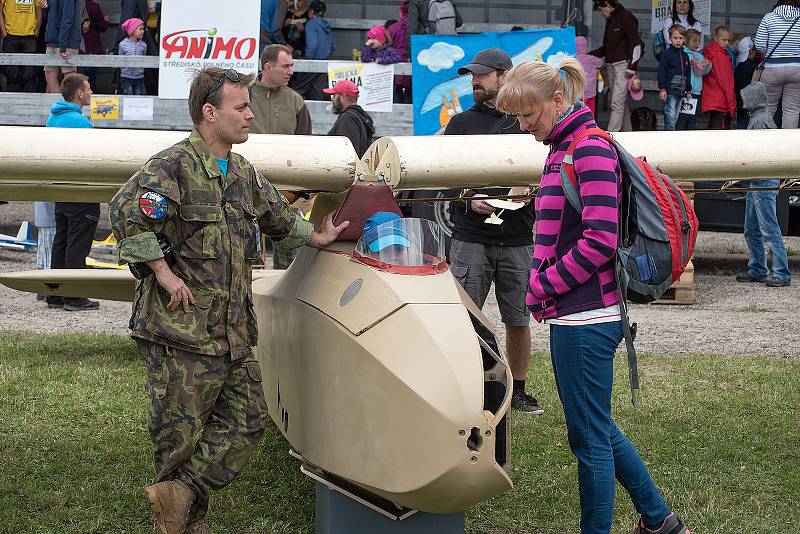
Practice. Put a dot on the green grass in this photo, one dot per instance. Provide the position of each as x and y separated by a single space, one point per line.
719 434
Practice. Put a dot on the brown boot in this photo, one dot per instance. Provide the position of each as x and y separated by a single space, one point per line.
170 502
198 527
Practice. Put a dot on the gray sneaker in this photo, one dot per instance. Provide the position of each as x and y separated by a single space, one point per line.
523 402
671 525
773 281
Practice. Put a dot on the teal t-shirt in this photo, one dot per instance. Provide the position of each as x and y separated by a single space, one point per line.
223 166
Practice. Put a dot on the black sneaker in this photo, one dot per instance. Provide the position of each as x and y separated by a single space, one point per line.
81 305
523 402
54 302
777 282
746 277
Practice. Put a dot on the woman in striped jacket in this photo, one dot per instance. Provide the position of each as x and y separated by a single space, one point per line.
572 288
778 38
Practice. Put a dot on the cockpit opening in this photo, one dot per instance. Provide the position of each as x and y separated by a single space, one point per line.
401 245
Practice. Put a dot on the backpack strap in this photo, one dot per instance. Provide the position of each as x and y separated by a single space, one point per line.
628 328
569 180
569 183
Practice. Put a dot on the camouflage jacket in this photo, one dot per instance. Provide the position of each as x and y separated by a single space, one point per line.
210 221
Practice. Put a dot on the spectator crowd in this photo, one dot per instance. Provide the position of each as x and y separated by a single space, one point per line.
549 259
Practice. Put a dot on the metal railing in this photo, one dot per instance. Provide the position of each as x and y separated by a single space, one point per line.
151 62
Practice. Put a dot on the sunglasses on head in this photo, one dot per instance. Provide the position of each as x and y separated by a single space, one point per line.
230 75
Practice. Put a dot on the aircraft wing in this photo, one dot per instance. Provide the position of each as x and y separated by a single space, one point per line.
94 170
111 284
13 244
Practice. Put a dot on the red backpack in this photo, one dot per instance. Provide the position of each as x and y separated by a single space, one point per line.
657 232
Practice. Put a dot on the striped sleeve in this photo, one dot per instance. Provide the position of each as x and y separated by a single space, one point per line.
598 172
761 41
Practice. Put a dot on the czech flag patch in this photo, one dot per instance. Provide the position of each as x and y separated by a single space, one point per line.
153 205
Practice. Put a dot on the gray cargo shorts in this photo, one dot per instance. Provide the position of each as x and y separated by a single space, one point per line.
476 266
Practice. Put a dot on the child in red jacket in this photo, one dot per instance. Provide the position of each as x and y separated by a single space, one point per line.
719 98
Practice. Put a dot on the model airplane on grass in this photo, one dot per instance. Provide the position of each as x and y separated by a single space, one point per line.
22 241
379 370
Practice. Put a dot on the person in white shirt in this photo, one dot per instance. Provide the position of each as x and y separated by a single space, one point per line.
683 14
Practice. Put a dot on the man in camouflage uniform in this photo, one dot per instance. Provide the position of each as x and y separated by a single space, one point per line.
193 310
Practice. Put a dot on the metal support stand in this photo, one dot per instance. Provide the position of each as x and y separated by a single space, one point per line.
336 513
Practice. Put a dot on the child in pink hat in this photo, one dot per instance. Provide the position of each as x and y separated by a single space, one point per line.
375 50
131 79
591 64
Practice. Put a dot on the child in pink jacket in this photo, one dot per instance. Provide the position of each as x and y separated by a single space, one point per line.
591 64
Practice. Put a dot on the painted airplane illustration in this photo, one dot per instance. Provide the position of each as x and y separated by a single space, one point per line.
22 241
105 110
109 243
462 85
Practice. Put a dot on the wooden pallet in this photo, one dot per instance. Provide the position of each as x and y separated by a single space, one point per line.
682 291
677 295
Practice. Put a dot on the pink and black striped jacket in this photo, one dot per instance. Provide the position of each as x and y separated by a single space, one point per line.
573 253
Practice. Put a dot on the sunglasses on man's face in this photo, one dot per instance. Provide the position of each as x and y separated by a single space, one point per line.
230 75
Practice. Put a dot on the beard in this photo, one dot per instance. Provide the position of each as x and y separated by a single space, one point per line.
481 94
336 107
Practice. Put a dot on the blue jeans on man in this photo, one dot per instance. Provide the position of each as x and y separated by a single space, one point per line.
583 364
761 228
671 109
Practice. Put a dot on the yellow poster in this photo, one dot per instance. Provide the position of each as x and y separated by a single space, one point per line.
105 108
350 71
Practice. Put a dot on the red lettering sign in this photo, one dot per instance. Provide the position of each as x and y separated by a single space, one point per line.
206 47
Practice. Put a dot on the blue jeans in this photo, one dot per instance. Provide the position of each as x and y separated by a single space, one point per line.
130 86
671 109
761 228
583 363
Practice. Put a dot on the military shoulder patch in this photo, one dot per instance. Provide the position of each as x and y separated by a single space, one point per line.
153 205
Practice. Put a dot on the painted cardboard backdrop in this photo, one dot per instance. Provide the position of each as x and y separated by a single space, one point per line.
439 91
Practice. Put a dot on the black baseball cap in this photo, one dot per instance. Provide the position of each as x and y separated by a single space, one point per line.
486 61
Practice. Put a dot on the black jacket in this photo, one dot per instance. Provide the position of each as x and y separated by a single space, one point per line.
517 227
620 38
742 77
674 71
355 124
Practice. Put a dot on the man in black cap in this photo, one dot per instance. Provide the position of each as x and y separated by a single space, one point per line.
484 252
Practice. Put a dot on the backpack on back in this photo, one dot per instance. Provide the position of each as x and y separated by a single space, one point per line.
659 45
657 232
441 17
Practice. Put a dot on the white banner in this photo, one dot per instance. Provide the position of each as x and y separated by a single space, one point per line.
702 12
662 10
199 33
375 83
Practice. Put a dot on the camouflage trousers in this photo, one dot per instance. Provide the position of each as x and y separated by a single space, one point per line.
282 257
206 416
